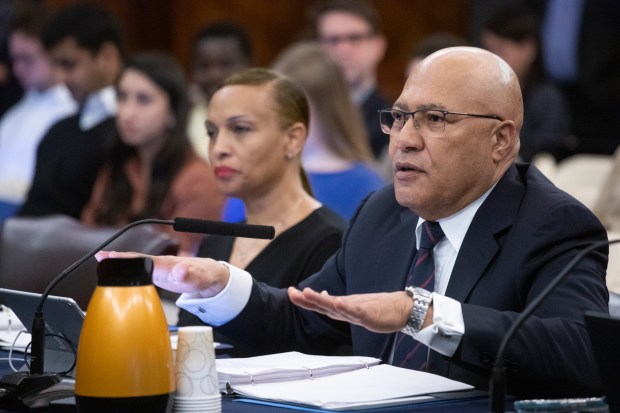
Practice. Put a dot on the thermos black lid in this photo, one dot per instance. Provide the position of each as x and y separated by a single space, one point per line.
125 272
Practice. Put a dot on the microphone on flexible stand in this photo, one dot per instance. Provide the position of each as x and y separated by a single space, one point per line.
497 386
20 384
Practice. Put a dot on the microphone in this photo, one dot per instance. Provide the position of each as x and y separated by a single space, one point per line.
497 385
36 380
223 228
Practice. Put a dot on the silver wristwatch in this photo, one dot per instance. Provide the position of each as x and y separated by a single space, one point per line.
422 299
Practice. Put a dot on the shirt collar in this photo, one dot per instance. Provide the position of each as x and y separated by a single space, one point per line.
455 226
98 107
360 94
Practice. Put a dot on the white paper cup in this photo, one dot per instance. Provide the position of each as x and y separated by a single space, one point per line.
196 376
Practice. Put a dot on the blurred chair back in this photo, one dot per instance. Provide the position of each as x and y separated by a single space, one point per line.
33 251
583 176
546 163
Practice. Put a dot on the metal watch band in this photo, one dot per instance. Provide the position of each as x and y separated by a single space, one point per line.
422 299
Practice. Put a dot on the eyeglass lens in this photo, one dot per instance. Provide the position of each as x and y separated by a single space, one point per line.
428 121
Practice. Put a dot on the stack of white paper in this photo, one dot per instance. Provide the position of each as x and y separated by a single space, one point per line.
336 383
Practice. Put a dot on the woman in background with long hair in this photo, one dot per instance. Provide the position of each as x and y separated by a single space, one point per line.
153 172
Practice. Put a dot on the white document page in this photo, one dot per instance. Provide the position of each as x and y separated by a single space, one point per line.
376 386
286 366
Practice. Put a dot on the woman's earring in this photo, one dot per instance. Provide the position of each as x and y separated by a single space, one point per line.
289 155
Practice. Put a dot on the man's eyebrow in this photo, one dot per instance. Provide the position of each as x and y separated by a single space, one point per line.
438 106
427 106
399 105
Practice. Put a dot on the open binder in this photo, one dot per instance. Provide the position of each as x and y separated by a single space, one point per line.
329 383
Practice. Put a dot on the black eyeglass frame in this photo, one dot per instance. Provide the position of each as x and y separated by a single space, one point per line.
411 115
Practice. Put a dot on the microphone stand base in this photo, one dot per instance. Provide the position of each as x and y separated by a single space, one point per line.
25 392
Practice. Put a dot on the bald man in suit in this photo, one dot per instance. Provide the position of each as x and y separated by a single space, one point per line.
454 139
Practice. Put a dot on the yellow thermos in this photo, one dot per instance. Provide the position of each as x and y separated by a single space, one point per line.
124 360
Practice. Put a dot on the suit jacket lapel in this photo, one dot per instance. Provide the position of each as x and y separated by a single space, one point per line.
401 239
496 214
408 220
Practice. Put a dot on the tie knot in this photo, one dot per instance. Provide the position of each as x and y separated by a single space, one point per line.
431 234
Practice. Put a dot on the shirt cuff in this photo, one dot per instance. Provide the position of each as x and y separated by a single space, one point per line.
226 305
444 335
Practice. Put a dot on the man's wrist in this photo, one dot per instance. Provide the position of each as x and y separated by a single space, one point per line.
422 300
224 306
215 289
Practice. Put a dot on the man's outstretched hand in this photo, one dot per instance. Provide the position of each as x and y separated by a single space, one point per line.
378 312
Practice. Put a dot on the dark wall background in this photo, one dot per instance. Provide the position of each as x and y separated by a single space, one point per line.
272 24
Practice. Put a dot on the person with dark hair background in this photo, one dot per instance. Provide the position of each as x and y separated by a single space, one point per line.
219 50
514 35
85 44
153 172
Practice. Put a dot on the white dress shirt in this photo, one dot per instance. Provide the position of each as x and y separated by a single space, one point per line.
443 336
21 130
98 107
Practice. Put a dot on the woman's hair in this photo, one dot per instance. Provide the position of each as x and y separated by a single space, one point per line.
311 67
290 102
167 74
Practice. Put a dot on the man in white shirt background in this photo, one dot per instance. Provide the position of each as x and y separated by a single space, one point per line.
85 44
45 101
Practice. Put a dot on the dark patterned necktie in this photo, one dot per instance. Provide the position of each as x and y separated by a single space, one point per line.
408 352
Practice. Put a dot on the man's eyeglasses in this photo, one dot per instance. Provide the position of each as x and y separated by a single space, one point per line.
352 38
430 122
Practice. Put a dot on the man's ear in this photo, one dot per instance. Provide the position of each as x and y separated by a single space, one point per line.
505 141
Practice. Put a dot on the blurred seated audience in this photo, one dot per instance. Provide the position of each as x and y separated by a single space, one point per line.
219 50
514 35
351 31
10 90
580 44
45 102
337 156
258 124
152 171
84 41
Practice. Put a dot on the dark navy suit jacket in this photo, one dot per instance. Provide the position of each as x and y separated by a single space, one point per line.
521 237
